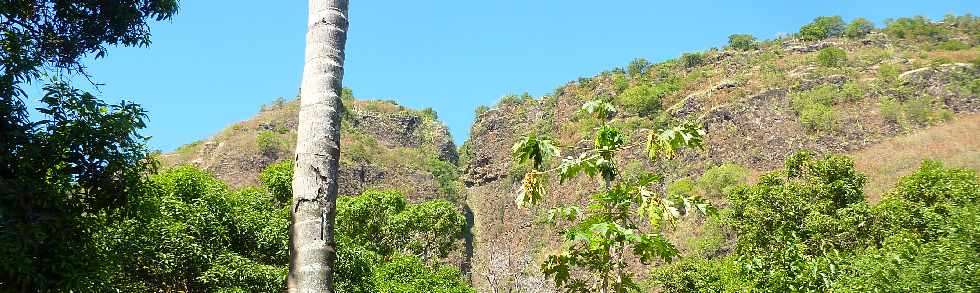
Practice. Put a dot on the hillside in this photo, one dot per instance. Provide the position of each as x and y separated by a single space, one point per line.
384 145
890 99
864 95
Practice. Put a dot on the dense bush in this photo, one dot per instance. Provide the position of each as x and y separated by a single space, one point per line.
642 100
952 45
822 27
891 109
189 232
916 28
808 228
406 274
691 60
815 106
742 42
717 180
481 109
832 57
278 180
858 28
268 142
638 67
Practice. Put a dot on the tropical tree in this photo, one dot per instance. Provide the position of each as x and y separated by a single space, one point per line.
621 220
73 170
312 246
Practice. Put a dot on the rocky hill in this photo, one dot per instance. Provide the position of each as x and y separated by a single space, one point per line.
384 145
758 104
891 97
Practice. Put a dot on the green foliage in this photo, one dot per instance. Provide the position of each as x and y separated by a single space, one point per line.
185 231
924 110
65 176
446 175
697 274
429 113
822 27
514 99
888 73
61 179
278 180
964 80
808 228
409 275
683 187
481 109
814 107
691 60
269 142
891 109
858 28
952 45
718 180
231 272
850 92
742 42
638 67
797 221
916 28
383 222
639 99
832 57
602 236
57 35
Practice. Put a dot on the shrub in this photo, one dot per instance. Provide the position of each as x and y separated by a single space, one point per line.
952 45
691 60
406 274
888 73
446 175
717 180
818 117
278 180
643 100
429 113
742 42
891 109
920 110
808 228
638 67
832 57
822 27
851 91
859 28
814 107
514 99
681 188
481 109
269 142
692 275
917 27
620 82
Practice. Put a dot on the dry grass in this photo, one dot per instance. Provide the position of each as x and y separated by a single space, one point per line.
962 56
956 144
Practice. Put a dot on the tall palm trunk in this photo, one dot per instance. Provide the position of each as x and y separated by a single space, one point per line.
312 248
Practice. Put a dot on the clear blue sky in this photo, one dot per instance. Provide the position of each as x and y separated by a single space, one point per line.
217 61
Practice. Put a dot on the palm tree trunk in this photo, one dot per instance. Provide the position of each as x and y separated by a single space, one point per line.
312 248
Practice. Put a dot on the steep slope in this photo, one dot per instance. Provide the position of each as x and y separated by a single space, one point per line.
956 144
757 105
383 145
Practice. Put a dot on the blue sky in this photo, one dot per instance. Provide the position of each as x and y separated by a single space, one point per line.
217 61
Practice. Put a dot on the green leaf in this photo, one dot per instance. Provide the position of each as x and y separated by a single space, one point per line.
599 109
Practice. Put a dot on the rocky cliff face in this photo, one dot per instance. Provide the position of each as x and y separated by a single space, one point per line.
384 146
750 105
